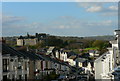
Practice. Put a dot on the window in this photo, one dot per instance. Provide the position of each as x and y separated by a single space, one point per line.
5 65
19 67
25 65
20 77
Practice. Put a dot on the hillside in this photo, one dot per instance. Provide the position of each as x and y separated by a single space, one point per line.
106 38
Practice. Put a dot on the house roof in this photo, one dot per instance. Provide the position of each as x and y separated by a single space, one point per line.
48 58
80 59
72 57
85 55
113 42
102 56
9 50
50 48
31 56
70 53
13 52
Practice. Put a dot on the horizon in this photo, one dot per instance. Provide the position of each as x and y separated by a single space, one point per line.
57 35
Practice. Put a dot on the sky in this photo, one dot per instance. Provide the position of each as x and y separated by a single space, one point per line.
59 18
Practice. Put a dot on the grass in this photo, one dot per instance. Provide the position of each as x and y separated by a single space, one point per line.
92 48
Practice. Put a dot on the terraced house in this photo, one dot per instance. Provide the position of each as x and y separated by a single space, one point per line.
21 64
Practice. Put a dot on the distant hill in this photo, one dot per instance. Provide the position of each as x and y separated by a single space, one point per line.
106 38
73 41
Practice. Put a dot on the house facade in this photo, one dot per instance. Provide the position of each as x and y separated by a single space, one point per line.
18 65
105 65
71 60
23 64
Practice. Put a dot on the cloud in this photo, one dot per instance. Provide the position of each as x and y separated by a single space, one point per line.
115 8
89 4
11 19
22 29
94 9
65 25
105 23
78 27
100 8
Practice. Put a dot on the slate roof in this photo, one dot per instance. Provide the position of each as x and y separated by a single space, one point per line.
72 57
48 58
51 49
9 50
70 53
113 42
85 55
80 59
101 57
31 56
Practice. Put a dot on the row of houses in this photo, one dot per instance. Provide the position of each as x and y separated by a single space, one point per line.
38 63
26 65
107 66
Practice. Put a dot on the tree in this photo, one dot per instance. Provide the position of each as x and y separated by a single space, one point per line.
98 43
53 41
72 41
102 45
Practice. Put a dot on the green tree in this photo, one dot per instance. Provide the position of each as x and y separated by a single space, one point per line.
102 45
98 43
53 41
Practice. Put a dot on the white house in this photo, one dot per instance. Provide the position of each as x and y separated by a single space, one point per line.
71 60
105 64
102 66
94 53
63 55
60 54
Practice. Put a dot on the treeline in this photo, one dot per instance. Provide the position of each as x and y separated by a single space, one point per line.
71 43
101 45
